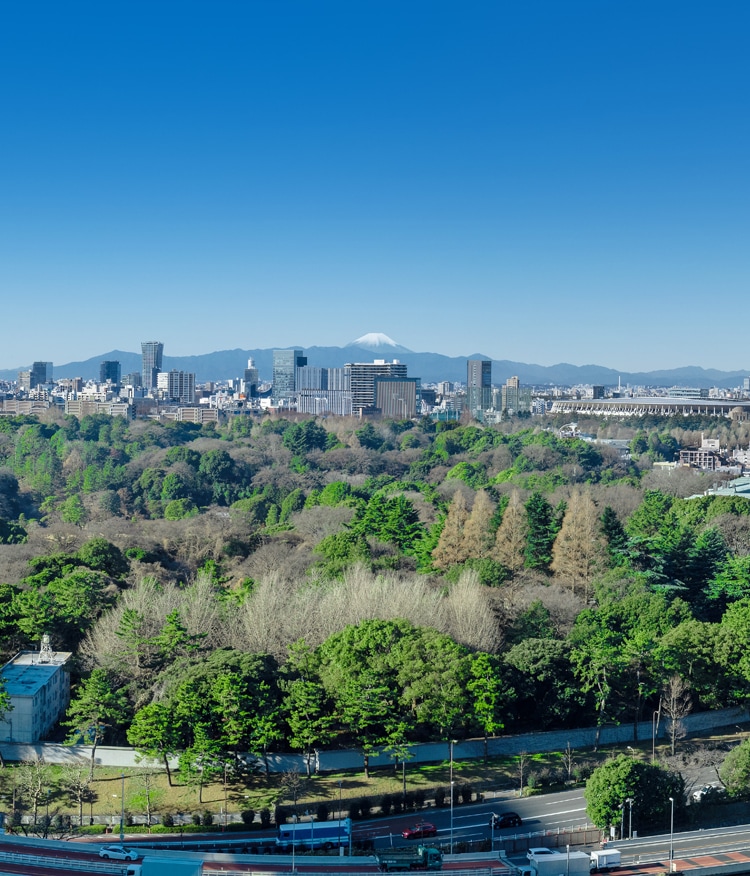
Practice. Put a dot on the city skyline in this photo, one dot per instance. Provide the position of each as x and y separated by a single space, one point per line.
539 183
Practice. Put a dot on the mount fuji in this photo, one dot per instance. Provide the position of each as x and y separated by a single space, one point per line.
377 342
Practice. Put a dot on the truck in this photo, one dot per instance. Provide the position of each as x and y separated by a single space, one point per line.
314 835
418 858
153 866
554 863
605 859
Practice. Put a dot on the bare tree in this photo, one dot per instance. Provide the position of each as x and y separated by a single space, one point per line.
677 704
148 796
76 780
522 761
568 761
33 778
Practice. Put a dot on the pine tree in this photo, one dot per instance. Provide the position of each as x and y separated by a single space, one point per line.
578 551
450 549
614 533
510 539
477 535
542 531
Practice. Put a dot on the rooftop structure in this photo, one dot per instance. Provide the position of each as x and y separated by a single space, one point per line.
39 690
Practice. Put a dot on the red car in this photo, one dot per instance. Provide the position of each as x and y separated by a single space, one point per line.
420 830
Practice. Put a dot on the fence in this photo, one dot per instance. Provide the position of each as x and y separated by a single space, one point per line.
435 752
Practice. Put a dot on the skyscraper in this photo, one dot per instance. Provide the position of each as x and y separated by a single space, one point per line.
152 352
251 379
478 385
109 370
41 373
285 365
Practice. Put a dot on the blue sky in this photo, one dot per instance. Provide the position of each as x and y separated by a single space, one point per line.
536 181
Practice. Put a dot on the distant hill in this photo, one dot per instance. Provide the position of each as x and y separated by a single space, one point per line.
431 367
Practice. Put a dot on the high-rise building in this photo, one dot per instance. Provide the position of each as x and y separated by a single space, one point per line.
362 376
478 385
515 399
152 353
339 379
41 373
398 398
109 371
251 379
177 386
285 365
311 377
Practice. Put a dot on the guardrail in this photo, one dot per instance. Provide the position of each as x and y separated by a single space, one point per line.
61 863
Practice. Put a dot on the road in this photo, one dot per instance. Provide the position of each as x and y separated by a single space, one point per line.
541 816
563 811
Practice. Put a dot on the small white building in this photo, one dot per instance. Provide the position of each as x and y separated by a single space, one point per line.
39 688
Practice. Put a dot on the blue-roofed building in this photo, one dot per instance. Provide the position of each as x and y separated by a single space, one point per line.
39 688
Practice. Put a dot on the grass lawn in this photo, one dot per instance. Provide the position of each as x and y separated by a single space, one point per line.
546 771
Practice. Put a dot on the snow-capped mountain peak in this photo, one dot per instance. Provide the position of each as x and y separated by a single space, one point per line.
374 339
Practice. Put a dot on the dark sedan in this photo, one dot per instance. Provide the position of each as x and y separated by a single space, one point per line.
505 819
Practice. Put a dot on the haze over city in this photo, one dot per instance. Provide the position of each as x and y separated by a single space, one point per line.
539 182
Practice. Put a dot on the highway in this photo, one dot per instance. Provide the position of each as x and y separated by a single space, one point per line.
543 816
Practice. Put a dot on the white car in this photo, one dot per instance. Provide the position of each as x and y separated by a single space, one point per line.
540 851
118 853
708 791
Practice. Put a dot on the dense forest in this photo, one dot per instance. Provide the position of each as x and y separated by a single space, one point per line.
299 584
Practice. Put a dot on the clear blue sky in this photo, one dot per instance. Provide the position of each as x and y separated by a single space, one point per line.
538 181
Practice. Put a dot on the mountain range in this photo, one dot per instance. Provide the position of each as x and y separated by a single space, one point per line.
431 367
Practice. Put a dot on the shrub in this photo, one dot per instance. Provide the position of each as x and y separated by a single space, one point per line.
419 798
354 809
208 817
265 817
196 818
321 812
365 807
168 819
281 814
247 816
440 795
466 792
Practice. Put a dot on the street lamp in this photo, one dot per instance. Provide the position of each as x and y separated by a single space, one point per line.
339 838
567 860
622 821
452 743
122 808
629 801
671 836
224 826
451 816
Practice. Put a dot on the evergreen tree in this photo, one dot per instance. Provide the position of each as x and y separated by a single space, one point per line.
614 534
542 531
